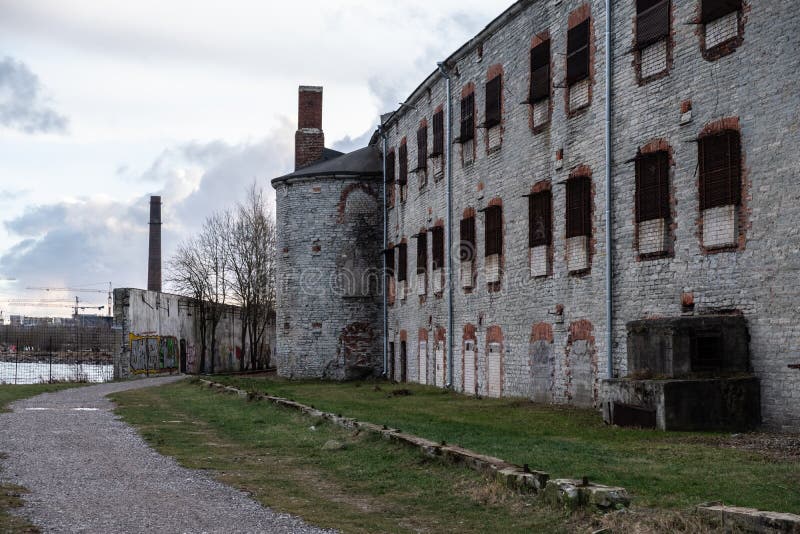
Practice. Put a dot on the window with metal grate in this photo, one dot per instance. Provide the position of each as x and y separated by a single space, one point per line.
720 170
422 147
540 219
437 244
540 72
494 101
493 239
578 53
390 262
467 118
652 186
422 253
466 249
652 21
713 9
402 179
402 262
579 206
390 170
438 133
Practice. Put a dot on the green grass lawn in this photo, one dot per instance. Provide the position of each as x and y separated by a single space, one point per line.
10 495
661 469
372 485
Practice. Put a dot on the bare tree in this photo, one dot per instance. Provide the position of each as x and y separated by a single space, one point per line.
251 239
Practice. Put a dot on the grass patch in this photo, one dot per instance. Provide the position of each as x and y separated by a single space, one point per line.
11 495
660 469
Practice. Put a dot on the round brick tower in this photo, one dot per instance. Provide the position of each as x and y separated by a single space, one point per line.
329 221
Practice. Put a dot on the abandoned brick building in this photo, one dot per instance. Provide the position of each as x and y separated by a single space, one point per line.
468 245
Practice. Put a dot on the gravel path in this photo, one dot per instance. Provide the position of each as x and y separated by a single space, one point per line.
87 471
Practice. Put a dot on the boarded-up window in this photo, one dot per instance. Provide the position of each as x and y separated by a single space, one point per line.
714 9
390 168
493 101
466 249
540 72
652 21
437 244
540 219
402 262
403 177
652 186
493 240
422 147
720 170
467 118
438 133
422 253
579 206
578 53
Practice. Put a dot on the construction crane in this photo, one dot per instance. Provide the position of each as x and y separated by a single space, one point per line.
79 290
54 303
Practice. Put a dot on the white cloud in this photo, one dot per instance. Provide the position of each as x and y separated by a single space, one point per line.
22 105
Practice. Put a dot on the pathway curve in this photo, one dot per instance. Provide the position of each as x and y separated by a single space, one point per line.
88 471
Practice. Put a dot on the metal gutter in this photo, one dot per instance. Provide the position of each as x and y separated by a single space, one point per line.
448 143
609 239
383 256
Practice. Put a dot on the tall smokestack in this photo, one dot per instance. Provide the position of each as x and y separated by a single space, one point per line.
154 256
309 141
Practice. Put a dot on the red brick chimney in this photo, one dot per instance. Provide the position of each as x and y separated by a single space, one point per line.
309 141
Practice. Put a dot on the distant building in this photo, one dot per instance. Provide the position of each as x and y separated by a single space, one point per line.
499 194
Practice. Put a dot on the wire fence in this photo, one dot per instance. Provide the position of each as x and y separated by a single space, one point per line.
40 354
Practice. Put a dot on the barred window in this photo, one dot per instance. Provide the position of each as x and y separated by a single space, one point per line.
652 21
493 240
494 101
403 178
402 262
720 170
579 206
437 236
422 147
578 53
540 219
713 9
466 249
422 253
390 262
540 72
438 133
467 118
652 186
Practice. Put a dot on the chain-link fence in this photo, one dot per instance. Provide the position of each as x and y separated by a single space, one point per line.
47 353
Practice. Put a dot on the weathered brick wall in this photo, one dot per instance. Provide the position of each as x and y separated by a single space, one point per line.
329 287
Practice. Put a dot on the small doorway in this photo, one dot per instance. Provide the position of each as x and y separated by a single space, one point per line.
403 362
183 357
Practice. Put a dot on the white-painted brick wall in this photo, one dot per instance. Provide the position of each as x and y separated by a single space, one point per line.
468 151
652 236
579 94
491 268
719 227
577 253
466 274
654 59
495 134
541 112
438 277
540 257
723 29
494 377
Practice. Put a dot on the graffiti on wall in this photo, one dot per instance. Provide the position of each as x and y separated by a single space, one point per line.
153 354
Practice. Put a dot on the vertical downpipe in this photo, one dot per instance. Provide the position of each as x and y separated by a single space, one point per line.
609 239
383 255
449 234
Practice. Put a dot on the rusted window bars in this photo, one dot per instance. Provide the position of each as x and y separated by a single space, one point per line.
652 186
579 204
720 170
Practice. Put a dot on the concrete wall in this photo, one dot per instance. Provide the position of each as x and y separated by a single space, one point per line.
329 269
157 325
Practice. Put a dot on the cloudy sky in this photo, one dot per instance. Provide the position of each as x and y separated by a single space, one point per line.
105 103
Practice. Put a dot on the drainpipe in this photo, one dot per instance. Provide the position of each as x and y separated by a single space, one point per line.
448 143
609 239
383 254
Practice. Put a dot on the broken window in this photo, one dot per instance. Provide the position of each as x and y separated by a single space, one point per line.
652 186
438 133
540 72
422 147
578 53
422 253
494 231
467 118
539 219
579 207
390 177
402 262
493 101
466 250
402 179
437 236
720 170
652 22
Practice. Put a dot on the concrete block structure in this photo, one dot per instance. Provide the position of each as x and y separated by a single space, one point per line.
529 218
